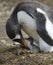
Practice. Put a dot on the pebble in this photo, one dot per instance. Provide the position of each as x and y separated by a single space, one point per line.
3 41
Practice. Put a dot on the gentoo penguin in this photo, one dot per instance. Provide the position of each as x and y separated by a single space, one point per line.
36 19
13 30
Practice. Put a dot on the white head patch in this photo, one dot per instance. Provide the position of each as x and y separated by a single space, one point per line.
40 10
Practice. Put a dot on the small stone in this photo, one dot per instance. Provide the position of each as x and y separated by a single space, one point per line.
3 41
23 57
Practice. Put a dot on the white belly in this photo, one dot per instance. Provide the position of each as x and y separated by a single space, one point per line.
32 33
28 24
44 46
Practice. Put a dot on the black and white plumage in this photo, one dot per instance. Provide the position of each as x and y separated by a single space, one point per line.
36 19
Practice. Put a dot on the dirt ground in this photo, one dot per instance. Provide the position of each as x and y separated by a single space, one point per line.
13 54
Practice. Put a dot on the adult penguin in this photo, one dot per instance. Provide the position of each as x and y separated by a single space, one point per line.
36 19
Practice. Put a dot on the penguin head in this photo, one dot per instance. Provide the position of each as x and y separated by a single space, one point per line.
13 29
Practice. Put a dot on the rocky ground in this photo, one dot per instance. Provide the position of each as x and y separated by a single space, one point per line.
10 52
